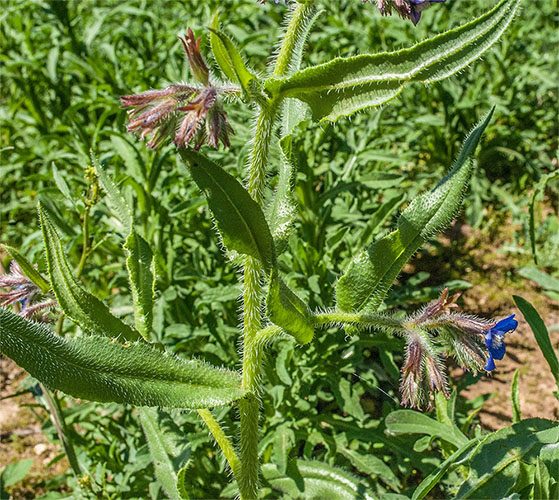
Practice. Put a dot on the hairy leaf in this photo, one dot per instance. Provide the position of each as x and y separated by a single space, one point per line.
229 58
76 302
239 218
344 86
495 463
117 203
461 454
316 480
287 310
413 422
100 369
28 268
139 256
169 449
370 274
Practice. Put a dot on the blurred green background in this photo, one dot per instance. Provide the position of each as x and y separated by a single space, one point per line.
64 65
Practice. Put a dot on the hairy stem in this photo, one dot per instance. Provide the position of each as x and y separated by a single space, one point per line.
252 290
222 440
301 15
58 420
360 320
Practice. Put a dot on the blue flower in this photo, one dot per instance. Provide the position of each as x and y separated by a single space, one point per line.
494 340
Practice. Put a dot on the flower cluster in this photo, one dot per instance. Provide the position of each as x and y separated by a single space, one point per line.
438 329
27 293
186 113
408 9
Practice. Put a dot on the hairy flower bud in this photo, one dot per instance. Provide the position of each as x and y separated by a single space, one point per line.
198 66
24 291
410 384
183 112
408 9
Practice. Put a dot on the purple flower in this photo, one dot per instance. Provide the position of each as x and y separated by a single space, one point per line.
27 293
408 9
494 340
183 112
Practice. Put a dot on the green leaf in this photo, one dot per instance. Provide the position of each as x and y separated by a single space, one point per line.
281 211
318 481
229 58
543 279
538 190
169 450
15 472
139 264
372 272
100 369
515 401
28 268
540 332
139 258
287 310
371 465
495 464
239 218
61 183
117 203
284 440
344 86
455 459
78 304
413 422
542 480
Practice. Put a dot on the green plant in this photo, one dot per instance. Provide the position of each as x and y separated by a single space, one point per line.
254 228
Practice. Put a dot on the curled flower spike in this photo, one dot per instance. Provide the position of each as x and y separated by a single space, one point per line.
408 9
183 112
438 328
24 291
410 384
494 340
198 66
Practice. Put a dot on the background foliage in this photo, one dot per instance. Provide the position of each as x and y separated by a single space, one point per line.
64 65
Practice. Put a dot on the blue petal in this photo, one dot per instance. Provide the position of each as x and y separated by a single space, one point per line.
497 352
490 366
505 325
489 339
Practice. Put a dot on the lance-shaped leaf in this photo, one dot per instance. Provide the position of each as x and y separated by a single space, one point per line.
287 310
238 217
169 450
139 256
370 274
495 465
28 268
77 303
313 480
344 86
229 58
117 203
99 369
281 211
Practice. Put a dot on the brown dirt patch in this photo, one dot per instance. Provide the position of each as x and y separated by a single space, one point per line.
464 253
21 436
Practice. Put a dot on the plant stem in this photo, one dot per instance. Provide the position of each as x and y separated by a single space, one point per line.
58 419
301 14
252 291
360 320
222 440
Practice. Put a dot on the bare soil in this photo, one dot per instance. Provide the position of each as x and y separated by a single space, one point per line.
21 436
